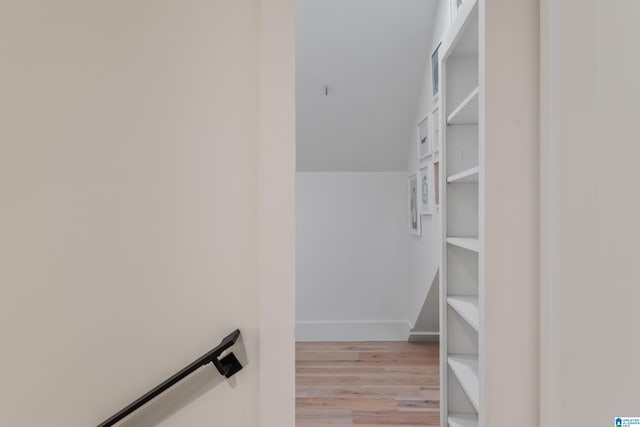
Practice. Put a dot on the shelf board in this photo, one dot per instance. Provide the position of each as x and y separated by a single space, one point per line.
467 112
469 243
468 308
470 175
465 368
462 37
463 420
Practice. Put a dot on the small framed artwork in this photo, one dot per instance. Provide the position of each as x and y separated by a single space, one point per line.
424 180
415 224
435 124
455 8
436 182
424 143
435 72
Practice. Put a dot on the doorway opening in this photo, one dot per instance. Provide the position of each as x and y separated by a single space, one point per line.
367 252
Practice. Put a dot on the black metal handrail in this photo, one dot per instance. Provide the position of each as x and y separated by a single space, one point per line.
227 366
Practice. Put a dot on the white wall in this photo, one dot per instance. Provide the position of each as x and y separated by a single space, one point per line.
590 301
129 205
351 267
425 250
371 54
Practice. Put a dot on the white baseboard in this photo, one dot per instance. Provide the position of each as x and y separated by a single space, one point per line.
424 336
352 331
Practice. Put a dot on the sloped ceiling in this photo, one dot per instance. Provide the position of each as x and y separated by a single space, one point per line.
372 56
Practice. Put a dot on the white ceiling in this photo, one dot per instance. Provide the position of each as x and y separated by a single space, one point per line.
372 54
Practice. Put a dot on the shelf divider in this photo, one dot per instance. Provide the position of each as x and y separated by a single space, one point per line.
469 175
467 112
469 243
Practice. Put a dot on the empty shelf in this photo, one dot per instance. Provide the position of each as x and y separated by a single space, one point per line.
463 420
469 243
465 368
467 112
470 175
468 308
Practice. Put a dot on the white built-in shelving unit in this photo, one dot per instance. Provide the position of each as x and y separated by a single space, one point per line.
462 179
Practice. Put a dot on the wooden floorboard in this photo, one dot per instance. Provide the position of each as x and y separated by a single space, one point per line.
376 384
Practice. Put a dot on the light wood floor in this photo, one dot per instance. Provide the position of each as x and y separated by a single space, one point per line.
381 384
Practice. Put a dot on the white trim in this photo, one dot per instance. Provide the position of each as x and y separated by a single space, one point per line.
276 215
320 331
442 270
550 316
424 336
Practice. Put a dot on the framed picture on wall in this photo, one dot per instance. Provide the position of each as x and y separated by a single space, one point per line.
425 192
424 142
415 224
435 72
435 124
436 183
